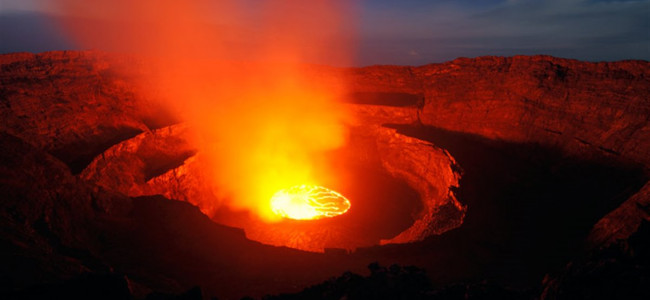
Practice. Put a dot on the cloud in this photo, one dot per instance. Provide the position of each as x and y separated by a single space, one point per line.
441 30
33 32
588 30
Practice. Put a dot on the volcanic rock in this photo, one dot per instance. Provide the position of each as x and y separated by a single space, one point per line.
48 228
591 110
622 222
73 105
58 228
155 162
432 172
67 113
582 107
429 170
616 271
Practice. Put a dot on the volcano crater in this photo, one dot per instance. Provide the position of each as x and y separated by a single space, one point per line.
400 188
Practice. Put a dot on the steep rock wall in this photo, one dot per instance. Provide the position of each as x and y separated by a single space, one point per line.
75 105
581 107
584 109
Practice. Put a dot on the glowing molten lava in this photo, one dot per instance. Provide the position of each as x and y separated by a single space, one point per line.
308 202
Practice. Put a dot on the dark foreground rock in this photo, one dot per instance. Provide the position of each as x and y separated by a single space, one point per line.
620 270
399 282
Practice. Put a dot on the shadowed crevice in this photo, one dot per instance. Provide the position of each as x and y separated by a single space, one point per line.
394 99
79 154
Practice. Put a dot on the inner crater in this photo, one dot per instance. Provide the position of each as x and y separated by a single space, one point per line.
381 207
400 189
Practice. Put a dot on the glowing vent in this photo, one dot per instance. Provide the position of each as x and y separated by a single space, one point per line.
309 202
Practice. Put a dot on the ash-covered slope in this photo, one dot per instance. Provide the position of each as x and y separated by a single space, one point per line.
62 110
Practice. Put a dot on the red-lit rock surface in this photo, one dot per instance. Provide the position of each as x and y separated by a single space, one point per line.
433 173
429 170
71 107
152 163
585 109
579 106
133 167
623 221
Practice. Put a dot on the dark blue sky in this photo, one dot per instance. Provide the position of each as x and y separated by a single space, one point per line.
416 32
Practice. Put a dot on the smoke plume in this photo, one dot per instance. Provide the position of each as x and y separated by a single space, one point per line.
234 70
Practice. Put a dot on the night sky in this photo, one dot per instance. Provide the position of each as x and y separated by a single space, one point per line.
417 32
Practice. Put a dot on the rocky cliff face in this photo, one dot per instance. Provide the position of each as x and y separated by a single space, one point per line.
434 175
585 109
73 105
79 140
579 106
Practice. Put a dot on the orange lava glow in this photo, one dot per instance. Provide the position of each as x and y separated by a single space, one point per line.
236 72
309 202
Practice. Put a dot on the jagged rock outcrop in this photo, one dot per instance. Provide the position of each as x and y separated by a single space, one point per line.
622 222
433 173
616 271
157 162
